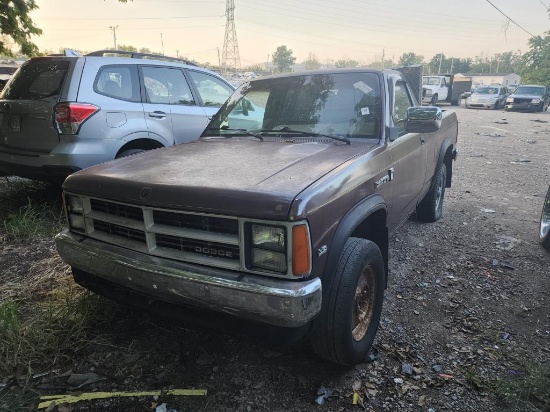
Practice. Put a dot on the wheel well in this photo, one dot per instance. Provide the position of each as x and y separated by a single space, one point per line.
144 144
374 228
448 160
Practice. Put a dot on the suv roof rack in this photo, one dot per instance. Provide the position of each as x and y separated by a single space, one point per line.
137 55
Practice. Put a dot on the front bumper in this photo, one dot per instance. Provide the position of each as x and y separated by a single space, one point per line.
277 302
528 107
481 105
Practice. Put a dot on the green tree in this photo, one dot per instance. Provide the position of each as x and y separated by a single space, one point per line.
283 59
345 62
410 58
312 63
17 26
537 61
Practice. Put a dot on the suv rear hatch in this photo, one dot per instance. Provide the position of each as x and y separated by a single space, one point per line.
27 105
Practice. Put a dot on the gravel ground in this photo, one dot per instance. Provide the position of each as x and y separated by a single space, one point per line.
467 303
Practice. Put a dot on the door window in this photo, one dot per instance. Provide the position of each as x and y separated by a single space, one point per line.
155 80
402 101
179 91
212 90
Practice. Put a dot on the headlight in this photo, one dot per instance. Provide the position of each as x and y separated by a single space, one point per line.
284 249
269 247
535 101
509 100
74 208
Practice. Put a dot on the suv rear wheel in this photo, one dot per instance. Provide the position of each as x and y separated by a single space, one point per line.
344 331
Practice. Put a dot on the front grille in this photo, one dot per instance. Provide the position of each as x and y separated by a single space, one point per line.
187 237
119 231
520 100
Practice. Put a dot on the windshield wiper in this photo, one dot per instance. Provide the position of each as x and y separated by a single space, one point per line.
330 136
244 131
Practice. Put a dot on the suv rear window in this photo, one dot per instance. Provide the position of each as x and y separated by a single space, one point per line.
37 79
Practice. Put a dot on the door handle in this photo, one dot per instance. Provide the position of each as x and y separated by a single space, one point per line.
157 114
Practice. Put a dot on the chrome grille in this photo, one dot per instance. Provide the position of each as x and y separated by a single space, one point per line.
188 237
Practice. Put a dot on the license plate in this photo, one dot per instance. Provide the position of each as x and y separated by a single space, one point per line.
14 124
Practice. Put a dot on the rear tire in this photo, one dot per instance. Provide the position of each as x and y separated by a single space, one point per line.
129 152
455 102
430 208
352 304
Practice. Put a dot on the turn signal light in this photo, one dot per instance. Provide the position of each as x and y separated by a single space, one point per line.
301 253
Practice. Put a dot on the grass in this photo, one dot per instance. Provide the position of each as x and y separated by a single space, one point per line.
526 384
29 210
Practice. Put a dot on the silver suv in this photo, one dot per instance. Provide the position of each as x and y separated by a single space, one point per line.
60 114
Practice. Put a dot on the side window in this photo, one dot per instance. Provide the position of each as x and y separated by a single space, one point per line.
119 82
155 80
443 83
178 88
212 90
402 101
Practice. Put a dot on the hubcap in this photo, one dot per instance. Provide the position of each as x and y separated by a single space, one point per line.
440 185
545 217
363 306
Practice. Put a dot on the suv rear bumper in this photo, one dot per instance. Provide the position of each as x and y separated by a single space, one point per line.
64 159
277 302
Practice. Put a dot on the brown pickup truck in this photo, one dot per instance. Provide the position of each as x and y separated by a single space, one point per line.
278 216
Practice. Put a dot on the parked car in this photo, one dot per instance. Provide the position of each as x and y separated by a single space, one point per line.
487 97
545 222
529 98
282 223
60 114
6 71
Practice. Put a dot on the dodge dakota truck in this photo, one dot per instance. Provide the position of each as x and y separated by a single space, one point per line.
278 217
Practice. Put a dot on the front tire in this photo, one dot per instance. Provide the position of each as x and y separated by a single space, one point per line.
430 208
345 329
545 222
433 102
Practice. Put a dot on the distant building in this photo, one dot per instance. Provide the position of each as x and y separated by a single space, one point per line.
486 79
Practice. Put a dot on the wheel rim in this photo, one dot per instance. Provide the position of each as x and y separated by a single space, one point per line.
439 192
545 217
363 306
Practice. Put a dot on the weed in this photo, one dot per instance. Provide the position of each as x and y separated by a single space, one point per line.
29 210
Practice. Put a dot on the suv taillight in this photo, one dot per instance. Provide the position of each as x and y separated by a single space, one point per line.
69 116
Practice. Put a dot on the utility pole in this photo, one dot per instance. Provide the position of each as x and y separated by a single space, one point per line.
177 53
162 43
440 61
383 55
452 61
113 28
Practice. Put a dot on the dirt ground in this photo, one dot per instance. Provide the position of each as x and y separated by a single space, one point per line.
467 303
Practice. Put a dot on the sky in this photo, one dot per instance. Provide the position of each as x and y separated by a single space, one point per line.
331 30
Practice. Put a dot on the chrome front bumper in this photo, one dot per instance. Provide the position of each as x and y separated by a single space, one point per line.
277 302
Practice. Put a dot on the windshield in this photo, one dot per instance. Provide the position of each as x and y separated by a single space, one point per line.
346 105
432 81
487 90
537 91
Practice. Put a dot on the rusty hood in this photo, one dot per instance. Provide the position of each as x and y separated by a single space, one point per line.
241 177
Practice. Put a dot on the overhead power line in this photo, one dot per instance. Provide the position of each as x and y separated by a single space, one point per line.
501 12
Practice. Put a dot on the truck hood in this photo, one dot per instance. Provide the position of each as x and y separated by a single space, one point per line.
231 176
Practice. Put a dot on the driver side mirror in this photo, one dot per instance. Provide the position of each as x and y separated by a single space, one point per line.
423 119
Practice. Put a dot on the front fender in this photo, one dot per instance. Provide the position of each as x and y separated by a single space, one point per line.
347 226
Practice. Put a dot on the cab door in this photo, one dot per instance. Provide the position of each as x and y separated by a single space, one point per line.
408 157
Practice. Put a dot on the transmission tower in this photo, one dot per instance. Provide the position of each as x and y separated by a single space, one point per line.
230 54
